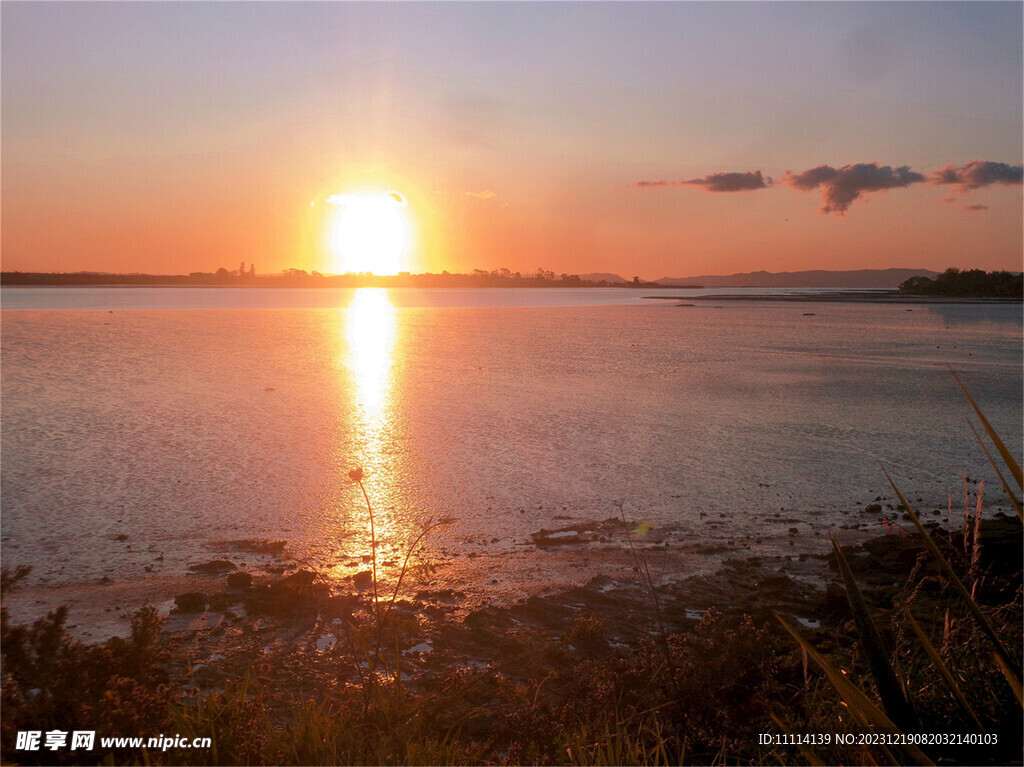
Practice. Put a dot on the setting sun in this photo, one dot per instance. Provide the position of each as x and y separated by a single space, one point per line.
370 233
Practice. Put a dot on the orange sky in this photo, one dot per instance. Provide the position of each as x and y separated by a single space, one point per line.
170 138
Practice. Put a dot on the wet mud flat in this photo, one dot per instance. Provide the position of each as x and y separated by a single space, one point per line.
253 610
294 633
568 552
694 565
291 643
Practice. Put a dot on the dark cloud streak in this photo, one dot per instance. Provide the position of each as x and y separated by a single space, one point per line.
716 182
731 182
842 186
976 174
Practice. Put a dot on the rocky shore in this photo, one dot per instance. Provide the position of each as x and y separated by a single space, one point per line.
296 631
254 606
258 655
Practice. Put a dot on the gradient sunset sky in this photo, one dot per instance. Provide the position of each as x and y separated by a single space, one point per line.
650 139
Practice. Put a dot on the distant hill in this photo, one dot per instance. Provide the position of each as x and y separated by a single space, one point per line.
818 278
599 276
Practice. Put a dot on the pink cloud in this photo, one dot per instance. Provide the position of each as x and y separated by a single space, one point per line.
976 174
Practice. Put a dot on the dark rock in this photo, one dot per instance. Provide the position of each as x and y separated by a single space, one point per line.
293 593
885 545
893 553
239 580
1001 545
488 619
362 580
834 603
543 611
873 508
190 602
582 532
446 594
300 582
214 567
221 601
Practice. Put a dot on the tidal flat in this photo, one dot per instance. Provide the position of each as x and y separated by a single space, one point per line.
647 670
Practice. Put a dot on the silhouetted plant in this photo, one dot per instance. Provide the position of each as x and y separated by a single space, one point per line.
52 681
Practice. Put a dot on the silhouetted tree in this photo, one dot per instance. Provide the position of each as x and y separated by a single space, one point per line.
970 283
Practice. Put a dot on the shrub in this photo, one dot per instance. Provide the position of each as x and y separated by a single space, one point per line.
52 681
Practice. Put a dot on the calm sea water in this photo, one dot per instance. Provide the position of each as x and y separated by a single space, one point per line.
181 418
78 298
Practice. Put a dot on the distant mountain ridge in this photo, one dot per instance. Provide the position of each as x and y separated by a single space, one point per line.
816 278
602 277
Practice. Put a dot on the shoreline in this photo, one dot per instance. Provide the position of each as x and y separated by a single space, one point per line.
546 562
234 623
292 642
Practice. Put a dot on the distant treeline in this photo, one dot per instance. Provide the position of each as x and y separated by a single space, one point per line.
970 283
298 278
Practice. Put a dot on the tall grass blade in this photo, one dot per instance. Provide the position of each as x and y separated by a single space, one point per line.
1002 479
853 695
867 756
373 546
812 758
982 621
1011 462
894 697
943 669
405 566
1013 680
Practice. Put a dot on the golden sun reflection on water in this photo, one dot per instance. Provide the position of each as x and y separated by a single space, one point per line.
371 329
371 332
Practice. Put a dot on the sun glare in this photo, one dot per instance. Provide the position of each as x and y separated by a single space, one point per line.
371 330
371 232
